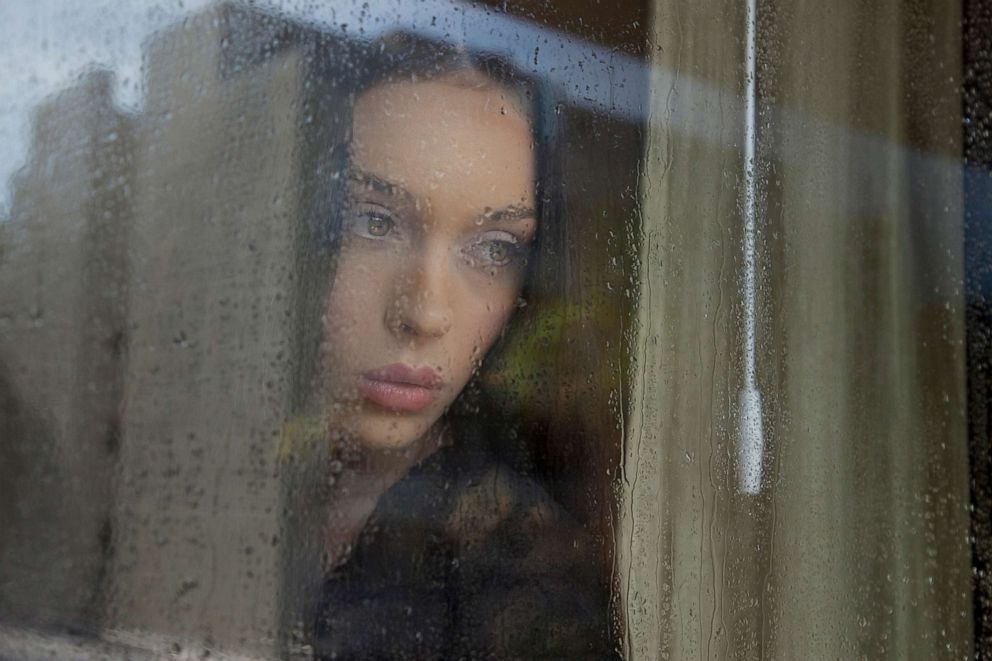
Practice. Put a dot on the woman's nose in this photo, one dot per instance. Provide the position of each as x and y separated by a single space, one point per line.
421 307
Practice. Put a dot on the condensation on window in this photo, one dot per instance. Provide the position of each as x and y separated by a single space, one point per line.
506 329
315 327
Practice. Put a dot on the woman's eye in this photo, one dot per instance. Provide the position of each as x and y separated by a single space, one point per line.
494 249
499 251
369 223
378 225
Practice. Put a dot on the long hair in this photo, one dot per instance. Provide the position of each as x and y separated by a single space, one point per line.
337 73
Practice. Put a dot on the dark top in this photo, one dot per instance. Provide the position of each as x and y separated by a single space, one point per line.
466 557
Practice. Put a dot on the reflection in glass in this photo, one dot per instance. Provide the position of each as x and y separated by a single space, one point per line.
431 211
360 329
317 348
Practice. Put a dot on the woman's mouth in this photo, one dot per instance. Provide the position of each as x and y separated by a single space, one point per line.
400 387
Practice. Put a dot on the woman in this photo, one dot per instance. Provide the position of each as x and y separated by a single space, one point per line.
430 199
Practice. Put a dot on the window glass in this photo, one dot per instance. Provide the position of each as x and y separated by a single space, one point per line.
508 329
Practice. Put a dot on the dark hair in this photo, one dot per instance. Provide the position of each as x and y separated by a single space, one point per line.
337 72
341 71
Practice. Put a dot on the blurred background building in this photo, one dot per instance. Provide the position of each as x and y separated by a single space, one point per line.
144 274
146 317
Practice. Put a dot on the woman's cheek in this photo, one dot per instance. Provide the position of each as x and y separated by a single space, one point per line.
493 319
346 324
355 287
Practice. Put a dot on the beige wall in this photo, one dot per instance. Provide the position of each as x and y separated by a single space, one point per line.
62 310
145 291
197 520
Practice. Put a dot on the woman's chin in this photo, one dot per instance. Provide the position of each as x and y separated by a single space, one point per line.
390 434
373 442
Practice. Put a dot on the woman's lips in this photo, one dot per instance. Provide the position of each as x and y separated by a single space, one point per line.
401 387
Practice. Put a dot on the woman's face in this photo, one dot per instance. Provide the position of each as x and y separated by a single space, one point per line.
435 239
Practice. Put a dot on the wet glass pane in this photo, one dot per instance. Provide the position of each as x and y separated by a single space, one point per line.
315 326
533 329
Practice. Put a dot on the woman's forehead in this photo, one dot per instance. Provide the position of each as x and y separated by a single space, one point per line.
446 142
499 96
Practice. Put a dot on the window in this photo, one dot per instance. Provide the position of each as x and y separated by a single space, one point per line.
535 330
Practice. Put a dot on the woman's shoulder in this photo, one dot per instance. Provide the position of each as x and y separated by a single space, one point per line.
527 573
475 550
489 493
471 491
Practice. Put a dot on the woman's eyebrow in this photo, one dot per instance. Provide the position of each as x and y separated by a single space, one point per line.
512 212
380 185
